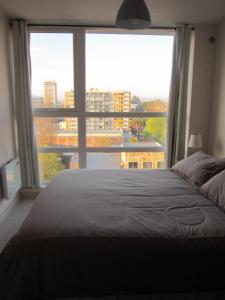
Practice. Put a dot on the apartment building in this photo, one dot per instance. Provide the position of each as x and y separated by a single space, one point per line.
121 103
69 124
50 93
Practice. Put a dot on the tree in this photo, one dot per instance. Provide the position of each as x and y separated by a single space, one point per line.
132 140
50 164
155 106
46 129
137 125
137 101
156 129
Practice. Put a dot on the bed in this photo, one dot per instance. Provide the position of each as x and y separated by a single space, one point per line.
116 232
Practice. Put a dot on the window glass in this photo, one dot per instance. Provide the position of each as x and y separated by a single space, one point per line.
56 132
123 160
52 70
133 165
50 164
128 72
126 132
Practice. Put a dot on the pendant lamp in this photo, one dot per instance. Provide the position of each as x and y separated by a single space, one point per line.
133 15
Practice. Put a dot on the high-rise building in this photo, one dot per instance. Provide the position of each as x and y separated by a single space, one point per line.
121 103
70 123
99 101
69 99
50 93
37 102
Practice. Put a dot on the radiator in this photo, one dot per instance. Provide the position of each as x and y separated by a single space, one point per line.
10 179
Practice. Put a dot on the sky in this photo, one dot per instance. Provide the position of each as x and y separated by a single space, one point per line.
137 63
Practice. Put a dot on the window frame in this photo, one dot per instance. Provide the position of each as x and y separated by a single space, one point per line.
79 110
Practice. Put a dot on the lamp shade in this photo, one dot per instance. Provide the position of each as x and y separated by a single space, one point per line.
133 14
195 141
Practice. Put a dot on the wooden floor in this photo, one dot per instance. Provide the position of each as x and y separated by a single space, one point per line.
10 224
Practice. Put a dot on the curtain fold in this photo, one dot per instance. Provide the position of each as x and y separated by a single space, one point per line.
178 101
23 103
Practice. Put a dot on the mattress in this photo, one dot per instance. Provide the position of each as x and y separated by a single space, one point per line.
113 232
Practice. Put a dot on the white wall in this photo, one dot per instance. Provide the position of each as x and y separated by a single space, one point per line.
200 78
7 140
7 136
217 125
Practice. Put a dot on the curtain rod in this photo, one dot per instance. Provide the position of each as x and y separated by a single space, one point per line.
96 26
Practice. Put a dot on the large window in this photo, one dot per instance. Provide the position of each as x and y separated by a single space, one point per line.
100 99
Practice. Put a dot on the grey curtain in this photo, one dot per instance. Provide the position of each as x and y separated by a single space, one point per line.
178 100
26 140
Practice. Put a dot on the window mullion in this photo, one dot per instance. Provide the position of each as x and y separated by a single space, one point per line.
126 114
125 149
55 112
80 92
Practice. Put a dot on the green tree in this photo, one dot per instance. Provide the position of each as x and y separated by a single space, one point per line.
156 129
50 164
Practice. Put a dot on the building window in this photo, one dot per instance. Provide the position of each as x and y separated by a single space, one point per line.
160 165
118 116
133 165
147 165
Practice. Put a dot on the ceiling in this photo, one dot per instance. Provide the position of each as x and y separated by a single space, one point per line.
103 12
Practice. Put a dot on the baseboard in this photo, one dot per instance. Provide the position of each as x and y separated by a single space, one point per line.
29 193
